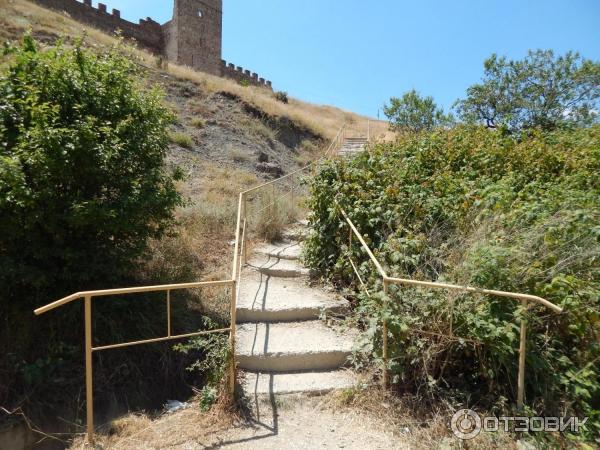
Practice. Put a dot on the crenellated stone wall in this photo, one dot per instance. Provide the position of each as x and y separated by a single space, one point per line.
241 75
193 37
147 33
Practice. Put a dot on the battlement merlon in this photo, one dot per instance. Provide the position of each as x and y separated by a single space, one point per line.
238 73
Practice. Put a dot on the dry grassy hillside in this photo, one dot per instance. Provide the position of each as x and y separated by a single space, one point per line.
222 133
223 130
19 15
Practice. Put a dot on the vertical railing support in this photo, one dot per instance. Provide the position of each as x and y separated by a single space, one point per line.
292 195
232 368
350 240
522 351
89 390
237 252
168 313
244 246
386 373
273 206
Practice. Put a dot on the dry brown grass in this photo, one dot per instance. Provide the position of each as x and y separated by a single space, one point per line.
273 214
168 430
207 226
422 424
20 15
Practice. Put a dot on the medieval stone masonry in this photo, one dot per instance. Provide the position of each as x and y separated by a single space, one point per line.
193 37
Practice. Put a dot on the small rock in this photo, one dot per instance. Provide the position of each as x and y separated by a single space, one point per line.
263 157
446 444
524 445
175 405
270 168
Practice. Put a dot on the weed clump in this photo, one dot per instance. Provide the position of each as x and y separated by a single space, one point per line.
282 97
181 139
198 122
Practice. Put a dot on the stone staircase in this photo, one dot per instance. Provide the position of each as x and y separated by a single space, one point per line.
352 146
282 346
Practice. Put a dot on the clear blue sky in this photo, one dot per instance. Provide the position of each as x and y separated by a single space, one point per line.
357 54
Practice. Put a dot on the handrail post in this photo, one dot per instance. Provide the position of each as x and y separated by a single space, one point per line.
386 374
293 204
273 197
350 240
522 350
245 206
232 368
89 392
169 313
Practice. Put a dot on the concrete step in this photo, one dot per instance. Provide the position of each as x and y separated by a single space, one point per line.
283 250
269 299
296 232
257 383
289 347
277 267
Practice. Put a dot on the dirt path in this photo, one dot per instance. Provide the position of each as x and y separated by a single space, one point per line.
300 422
282 422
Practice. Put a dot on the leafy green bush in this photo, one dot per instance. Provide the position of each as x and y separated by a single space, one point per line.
83 188
83 183
413 112
479 208
213 355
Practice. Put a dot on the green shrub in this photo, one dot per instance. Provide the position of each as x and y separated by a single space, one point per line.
282 97
479 208
83 188
181 139
213 355
161 62
83 183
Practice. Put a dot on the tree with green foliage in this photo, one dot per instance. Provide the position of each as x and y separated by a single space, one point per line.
83 188
83 183
415 113
541 90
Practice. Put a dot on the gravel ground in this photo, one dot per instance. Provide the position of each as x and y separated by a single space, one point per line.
300 422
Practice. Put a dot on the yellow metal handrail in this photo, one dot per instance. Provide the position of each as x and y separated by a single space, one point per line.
87 296
524 298
233 283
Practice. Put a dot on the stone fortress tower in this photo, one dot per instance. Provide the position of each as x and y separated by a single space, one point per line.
193 37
